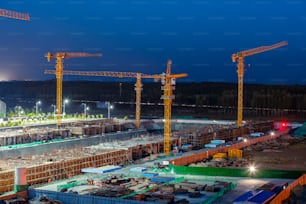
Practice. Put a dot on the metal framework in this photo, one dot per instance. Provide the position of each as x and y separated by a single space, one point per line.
168 85
240 71
59 67
14 15
138 84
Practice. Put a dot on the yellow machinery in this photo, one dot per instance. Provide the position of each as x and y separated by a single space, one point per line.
240 71
14 15
235 153
220 156
59 56
168 85
138 84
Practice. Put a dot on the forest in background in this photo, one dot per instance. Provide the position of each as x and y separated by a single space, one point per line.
205 97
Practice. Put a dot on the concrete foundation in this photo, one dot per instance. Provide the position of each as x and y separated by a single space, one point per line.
70 143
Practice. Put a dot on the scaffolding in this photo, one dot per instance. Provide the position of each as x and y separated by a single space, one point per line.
52 171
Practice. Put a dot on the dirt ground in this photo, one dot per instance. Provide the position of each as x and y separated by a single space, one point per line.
285 153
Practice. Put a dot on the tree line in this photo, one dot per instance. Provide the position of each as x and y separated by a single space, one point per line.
290 97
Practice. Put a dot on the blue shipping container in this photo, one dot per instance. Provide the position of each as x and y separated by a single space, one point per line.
149 175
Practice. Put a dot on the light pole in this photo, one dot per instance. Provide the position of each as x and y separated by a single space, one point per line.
109 107
54 109
36 106
18 110
66 101
86 108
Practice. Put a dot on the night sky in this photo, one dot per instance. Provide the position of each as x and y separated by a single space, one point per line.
140 35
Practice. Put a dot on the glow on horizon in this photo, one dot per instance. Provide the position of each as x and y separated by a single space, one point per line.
5 77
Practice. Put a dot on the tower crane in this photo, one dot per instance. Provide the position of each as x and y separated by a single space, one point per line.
240 71
138 84
60 56
14 14
168 85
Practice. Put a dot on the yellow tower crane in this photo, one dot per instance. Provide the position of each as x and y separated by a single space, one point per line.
138 84
168 82
168 85
240 71
14 15
60 56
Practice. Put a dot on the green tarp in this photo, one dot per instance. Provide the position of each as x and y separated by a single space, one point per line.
300 132
235 172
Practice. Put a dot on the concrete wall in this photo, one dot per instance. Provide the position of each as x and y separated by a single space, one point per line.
69 143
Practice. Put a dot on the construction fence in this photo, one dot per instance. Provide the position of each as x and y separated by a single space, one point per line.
234 172
284 194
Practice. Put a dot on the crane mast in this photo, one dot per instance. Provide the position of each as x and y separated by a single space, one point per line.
138 90
138 84
167 97
168 85
240 71
59 67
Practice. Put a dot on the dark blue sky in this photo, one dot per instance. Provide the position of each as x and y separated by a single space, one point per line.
140 35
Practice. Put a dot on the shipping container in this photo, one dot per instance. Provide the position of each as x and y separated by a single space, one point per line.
149 175
138 169
211 145
161 179
217 141
257 134
101 170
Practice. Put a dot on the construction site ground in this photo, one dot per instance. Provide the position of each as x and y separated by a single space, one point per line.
286 153
272 151
243 184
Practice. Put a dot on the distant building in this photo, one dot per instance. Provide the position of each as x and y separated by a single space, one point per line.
2 109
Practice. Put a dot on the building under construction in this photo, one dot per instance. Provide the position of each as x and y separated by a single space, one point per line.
61 153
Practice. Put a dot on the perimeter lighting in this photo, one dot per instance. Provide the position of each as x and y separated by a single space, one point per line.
252 169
